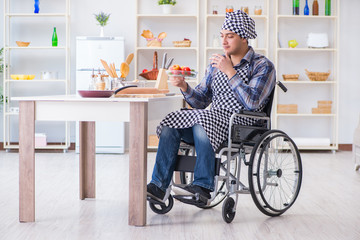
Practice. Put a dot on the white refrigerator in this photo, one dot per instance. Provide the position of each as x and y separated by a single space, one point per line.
89 51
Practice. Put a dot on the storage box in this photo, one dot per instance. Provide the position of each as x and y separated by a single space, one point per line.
321 110
40 140
153 141
287 108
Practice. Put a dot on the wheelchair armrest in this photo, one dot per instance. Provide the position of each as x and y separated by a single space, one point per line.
250 113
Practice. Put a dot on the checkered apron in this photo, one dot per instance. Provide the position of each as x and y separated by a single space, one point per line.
216 120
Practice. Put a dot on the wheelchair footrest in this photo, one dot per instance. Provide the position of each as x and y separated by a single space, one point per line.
196 199
154 201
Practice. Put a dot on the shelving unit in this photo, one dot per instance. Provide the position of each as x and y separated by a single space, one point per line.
213 23
19 24
305 125
182 23
185 15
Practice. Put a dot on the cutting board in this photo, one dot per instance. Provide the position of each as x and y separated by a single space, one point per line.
140 95
142 90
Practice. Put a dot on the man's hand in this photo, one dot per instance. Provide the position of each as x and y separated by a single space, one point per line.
224 64
178 81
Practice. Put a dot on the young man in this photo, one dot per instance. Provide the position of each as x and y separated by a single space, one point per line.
239 79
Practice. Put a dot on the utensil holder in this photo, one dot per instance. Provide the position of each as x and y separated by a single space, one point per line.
161 81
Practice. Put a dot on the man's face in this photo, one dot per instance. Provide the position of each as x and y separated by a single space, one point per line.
231 42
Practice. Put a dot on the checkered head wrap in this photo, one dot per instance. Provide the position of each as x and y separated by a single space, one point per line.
240 23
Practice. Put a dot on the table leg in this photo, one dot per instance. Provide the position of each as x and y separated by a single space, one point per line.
87 160
138 163
27 162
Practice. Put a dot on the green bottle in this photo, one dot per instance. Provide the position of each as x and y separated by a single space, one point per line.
296 7
54 38
327 7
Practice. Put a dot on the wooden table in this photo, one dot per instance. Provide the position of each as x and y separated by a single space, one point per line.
86 111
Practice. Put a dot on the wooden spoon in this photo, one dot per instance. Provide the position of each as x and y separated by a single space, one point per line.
129 58
107 68
114 70
162 35
124 69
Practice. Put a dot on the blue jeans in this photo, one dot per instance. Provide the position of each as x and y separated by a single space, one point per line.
169 143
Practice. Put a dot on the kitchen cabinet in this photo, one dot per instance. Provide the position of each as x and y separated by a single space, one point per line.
213 23
21 24
313 131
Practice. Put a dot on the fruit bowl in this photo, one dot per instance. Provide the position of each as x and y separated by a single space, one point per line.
182 73
22 77
22 44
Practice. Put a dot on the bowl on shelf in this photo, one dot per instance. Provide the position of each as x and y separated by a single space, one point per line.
317 76
290 77
185 43
22 44
22 77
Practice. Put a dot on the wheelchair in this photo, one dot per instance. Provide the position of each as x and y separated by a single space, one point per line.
274 169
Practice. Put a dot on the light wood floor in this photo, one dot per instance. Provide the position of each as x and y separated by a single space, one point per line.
328 206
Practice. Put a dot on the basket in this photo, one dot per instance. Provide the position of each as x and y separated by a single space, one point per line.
152 75
22 44
317 76
153 42
185 43
290 77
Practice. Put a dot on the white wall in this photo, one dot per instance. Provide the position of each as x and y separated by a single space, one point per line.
122 23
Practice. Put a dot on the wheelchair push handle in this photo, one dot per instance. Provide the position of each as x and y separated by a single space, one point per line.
282 86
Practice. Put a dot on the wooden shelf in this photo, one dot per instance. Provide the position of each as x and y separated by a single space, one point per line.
35 15
167 16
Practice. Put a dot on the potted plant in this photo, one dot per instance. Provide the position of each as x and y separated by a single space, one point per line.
102 19
167 5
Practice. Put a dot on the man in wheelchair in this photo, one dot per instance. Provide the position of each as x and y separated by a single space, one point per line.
239 79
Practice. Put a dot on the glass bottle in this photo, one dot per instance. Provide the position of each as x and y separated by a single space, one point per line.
36 6
92 84
296 7
327 7
306 8
315 8
54 38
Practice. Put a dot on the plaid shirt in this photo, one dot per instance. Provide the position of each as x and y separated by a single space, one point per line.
252 96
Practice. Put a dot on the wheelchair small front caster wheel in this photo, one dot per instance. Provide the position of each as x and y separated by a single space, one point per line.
228 212
162 208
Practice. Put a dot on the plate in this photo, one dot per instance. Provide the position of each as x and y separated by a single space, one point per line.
95 93
178 73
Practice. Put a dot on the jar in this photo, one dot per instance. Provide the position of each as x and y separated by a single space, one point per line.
229 8
216 41
215 9
100 84
257 10
116 83
245 9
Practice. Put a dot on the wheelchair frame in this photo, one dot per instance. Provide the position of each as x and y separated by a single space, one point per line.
267 143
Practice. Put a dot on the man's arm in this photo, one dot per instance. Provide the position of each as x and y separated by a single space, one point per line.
261 83
201 96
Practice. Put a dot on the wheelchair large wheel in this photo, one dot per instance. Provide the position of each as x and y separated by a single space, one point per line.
163 207
275 173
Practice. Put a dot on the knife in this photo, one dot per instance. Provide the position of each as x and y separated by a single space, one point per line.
169 62
164 60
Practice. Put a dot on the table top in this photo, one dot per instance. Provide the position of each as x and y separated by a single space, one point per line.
77 98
